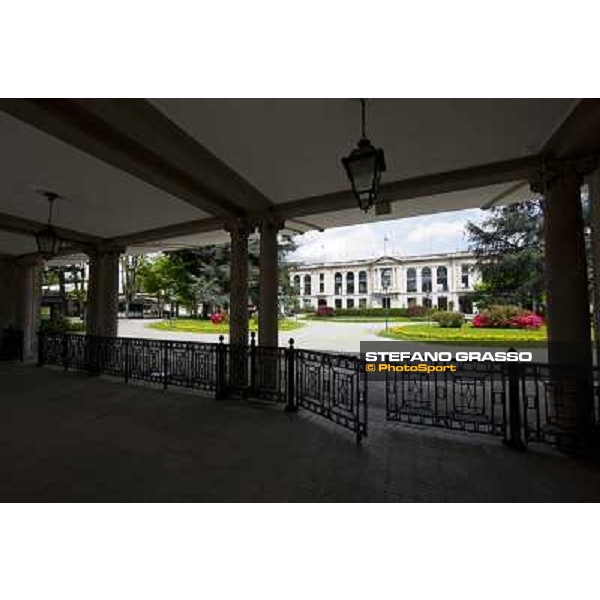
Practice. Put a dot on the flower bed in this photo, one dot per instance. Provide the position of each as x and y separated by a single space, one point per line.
507 317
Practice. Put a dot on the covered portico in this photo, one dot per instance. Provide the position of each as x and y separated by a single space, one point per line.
142 175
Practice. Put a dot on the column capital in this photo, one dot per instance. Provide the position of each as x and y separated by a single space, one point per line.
31 260
240 227
101 250
553 171
270 221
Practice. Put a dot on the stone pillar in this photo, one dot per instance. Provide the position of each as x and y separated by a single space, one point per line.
103 293
568 306
268 327
238 293
20 300
594 201
28 305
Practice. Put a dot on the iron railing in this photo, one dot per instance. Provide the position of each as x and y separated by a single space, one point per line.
521 402
277 375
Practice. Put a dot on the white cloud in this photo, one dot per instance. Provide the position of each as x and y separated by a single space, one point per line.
443 232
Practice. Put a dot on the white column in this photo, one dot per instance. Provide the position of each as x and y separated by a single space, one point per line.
268 325
238 292
569 339
29 304
20 299
103 293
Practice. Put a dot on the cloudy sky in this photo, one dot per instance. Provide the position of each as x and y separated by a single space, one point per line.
442 232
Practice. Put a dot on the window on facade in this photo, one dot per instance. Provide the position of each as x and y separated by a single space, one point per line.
297 284
321 283
362 303
338 284
464 276
427 303
386 303
338 303
442 303
411 302
362 282
411 280
442 279
350 303
307 302
307 285
349 283
465 305
426 279
386 278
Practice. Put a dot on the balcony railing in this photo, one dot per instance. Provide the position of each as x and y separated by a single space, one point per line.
329 385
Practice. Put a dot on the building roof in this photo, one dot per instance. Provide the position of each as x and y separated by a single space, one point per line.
440 256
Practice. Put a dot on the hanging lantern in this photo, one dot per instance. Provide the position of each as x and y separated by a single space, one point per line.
48 242
364 167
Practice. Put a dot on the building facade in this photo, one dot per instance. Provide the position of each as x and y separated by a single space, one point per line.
440 281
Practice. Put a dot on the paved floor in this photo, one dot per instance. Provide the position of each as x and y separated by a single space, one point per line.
70 437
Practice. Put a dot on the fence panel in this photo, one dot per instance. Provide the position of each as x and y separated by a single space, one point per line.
334 387
472 399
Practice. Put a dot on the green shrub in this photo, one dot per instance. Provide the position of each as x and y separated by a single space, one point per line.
448 319
499 315
60 324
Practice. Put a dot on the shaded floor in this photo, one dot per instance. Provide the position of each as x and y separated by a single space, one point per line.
70 437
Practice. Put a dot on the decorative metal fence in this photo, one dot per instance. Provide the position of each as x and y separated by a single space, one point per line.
11 344
335 387
559 403
472 399
277 375
523 403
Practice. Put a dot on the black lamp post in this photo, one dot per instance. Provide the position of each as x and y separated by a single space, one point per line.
48 242
364 167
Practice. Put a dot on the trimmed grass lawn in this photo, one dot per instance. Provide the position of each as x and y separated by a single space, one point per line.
205 326
467 333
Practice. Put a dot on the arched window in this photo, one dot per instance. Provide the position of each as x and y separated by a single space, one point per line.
338 283
349 283
411 280
442 279
386 278
307 285
297 283
426 280
362 283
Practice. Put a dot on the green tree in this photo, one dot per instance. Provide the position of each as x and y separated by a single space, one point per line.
130 267
510 255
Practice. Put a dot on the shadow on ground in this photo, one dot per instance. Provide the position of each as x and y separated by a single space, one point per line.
69 437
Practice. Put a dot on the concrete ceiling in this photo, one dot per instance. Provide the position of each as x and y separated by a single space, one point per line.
100 199
168 173
291 149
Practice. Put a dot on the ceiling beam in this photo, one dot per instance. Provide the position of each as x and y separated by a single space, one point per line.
520 169
23 226
135 137
170 231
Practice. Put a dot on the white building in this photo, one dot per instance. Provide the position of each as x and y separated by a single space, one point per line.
442 281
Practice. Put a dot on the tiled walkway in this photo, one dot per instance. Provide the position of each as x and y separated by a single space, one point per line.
69 437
